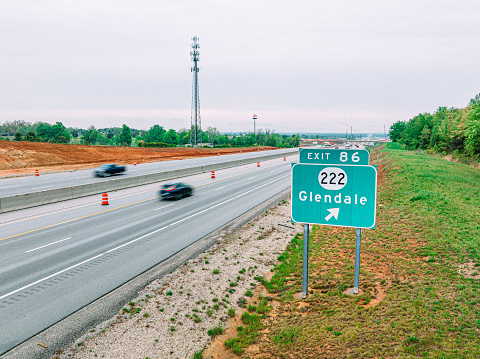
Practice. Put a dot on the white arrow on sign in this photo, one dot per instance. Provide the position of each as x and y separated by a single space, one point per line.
333 213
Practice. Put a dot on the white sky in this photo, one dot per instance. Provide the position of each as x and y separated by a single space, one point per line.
299 65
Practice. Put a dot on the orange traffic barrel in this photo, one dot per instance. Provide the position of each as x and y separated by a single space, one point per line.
105 199
37 173
258 164
213 174
284 159
219 153
179 158
134 163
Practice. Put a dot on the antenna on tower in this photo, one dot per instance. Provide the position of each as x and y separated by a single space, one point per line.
196 126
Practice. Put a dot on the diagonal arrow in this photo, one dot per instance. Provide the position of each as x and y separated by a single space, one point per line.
333 213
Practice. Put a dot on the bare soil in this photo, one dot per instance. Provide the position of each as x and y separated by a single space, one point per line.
23 158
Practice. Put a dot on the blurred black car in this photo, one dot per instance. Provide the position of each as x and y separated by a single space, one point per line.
108 170
175 191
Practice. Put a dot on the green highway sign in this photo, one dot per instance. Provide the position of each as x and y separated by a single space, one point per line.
334 195
334 156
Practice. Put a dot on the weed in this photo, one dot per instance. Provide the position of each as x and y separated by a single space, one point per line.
218 330
286 336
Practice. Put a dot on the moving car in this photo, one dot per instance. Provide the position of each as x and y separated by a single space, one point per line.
108 170
175 191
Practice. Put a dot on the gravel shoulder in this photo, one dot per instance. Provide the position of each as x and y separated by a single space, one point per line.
171 316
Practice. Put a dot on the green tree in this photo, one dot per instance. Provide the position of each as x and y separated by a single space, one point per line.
59 133
156 133
472 132
43 131
396 131
31 136
90 136
171 137
125 138
296 140
18 136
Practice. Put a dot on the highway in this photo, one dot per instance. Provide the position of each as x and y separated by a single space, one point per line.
28 184
58 258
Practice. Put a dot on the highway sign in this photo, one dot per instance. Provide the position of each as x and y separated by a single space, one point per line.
334 156
334 195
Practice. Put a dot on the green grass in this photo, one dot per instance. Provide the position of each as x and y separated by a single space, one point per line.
413 301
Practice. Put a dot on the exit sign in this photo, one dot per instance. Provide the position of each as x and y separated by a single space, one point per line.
334 156
334 195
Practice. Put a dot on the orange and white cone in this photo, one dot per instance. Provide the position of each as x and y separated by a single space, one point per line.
37 173
258 164
134 163
105 199
213 174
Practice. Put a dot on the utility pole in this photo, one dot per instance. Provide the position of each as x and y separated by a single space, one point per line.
254 120
195 127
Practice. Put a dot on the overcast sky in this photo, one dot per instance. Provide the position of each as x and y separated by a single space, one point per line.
300 65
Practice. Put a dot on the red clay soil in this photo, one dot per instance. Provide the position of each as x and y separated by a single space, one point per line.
22 158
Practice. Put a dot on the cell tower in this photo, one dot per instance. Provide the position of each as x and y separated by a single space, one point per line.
196 123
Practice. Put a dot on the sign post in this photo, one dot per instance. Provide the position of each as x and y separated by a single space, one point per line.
356 275
306 231
341 192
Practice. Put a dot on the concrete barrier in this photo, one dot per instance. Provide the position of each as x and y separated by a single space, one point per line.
22 201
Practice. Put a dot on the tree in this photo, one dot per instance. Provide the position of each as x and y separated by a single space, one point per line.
31 136
43 131
472 132
156 133
475 100
18 136
59 133
90 136
396 131
171 137
125 138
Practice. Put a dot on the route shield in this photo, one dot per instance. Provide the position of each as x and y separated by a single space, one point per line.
334 195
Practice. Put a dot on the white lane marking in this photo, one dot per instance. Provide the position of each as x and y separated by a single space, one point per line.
46 245
218 189
42 187
272 171
17 185
251 177
139 238
168 205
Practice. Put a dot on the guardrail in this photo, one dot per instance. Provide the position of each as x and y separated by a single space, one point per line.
33 199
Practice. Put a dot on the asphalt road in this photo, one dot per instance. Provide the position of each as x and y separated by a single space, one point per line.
58 258
22 185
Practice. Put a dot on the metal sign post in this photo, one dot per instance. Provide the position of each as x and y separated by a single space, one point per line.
306 230
357 260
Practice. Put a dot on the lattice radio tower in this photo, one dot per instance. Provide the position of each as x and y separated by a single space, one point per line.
196 123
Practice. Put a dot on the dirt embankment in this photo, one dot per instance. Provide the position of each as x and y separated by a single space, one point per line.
22 158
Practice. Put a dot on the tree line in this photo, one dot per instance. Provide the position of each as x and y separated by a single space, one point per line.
447 131
156 136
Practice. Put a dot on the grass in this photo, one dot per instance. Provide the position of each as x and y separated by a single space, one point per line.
218 330
413 300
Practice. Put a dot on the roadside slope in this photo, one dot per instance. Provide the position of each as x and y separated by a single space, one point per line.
419 276
20 158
